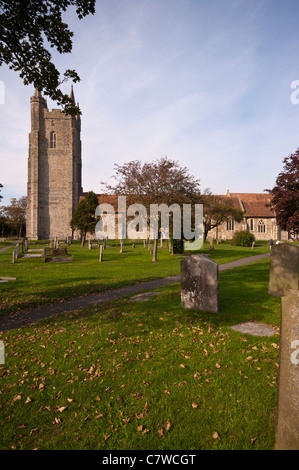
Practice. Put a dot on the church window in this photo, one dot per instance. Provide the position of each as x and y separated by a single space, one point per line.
52 140
261 227
230 225
250 224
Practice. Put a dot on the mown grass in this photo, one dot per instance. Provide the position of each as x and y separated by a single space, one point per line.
146 375
40 283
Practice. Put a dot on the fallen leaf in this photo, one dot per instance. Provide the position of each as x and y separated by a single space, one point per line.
61 408
16 398
28 400
194 405
216 435
33 430
167 425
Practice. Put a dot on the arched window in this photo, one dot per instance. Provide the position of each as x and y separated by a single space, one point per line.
261 227
52 140
230 225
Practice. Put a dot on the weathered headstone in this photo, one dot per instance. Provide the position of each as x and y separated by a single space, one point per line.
287 430
284 269
199 283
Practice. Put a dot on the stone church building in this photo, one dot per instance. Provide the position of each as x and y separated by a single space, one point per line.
54 182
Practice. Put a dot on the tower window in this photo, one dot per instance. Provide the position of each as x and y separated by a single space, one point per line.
52 140
261 227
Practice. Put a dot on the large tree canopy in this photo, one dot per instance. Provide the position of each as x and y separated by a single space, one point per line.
285 194
27 30
162 181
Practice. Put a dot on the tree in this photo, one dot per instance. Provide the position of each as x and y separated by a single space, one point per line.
285 194
84 218
25 27
157 182
218 210
15 214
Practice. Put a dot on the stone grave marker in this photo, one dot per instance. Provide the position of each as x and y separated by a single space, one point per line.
284 269
200 283
287 428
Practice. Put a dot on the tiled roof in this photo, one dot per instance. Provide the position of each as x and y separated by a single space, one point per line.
253 204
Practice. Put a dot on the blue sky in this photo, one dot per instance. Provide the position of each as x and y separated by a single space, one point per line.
205 82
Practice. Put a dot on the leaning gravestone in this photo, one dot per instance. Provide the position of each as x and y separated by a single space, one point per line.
199 284
287 430
284 269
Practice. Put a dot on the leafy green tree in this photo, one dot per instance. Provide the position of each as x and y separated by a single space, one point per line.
218 210
84 219
28 30
15 214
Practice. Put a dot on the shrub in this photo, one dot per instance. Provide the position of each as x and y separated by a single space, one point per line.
243 238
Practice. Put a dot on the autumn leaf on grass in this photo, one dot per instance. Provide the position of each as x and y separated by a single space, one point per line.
141 430
61 408
16 398
166 426
194 405
28 400
215 435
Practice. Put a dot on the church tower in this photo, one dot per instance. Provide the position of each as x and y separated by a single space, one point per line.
54 170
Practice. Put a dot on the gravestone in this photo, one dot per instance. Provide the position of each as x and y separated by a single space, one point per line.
199 283
284 269
287 429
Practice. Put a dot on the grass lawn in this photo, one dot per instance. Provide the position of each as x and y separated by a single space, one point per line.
40 283
141 375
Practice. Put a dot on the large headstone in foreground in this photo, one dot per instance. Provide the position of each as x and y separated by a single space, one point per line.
284 269
199 284
287 430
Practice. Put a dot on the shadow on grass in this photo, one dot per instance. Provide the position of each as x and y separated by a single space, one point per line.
243 296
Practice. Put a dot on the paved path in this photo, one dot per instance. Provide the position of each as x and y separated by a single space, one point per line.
42 313
10 246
